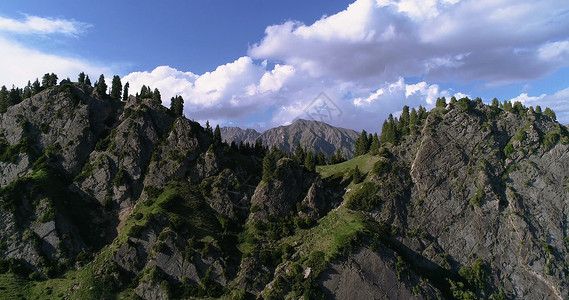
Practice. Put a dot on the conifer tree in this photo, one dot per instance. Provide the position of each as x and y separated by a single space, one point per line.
87 80
320 159
299 155
177 106
404 121
217 135
116 87
101 86
310 161
156 96
36 87
81 77
125 91
374 147
361 144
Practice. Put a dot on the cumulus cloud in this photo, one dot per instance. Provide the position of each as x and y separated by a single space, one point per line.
21 62
470 40
557 101
40 25
233 91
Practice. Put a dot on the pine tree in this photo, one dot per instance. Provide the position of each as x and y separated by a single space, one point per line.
217 135
101 86
81 77
4 101
550 113
357 175
125 91
116 87
177 106
156 96
388 131
87 80
441 102
413 120
52 79
374 147
320 159
208 129
361 144
269 166
310 162
404 121
27 91
299 155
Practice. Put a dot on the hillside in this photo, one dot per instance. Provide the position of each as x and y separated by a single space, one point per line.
124 200
313 135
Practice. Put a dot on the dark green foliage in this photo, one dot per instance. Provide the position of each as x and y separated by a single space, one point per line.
156 96
81 77
389 131
374 147
362 144
121 178
101 86
299 154
336 158
310 161
125 91
509 150
475 275
116 87
320 159
364 198
478 196
507 106
48 80
441 102
4 99
87 80
217 135
404 121
10 153
177 106
357 175
548 112
464 104
381 167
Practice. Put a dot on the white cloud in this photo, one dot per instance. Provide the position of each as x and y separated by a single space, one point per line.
557 101
495 42
20 64
39 25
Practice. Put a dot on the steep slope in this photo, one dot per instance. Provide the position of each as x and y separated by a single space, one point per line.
478 198
313 135
107 199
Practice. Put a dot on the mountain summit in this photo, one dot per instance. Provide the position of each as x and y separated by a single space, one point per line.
313 135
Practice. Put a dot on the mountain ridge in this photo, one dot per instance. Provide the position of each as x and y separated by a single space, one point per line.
313 135
105 199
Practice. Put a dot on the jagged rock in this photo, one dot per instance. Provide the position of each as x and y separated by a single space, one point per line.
372 275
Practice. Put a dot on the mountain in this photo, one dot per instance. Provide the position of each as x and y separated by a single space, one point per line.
313 135
103 199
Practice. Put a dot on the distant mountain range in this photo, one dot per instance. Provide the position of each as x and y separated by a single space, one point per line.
312 135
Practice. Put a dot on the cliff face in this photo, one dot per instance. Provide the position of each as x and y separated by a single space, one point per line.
100 197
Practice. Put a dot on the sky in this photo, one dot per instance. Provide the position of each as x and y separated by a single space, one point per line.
264 63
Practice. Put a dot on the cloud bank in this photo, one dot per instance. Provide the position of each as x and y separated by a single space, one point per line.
361 57
22 62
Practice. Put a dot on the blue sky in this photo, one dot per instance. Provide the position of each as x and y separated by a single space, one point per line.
264 63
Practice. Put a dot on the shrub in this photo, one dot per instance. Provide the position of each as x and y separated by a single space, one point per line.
381 167
365 198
